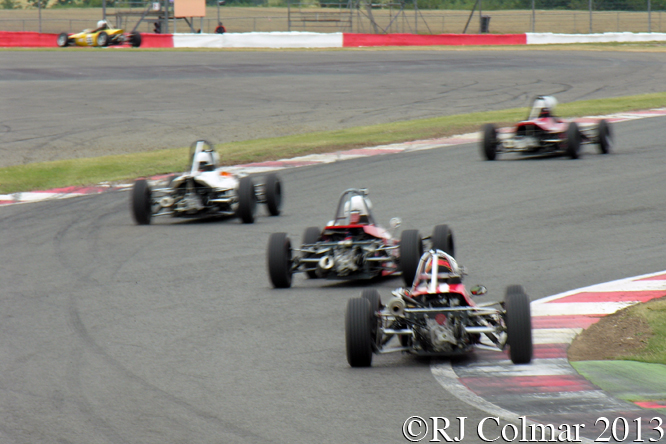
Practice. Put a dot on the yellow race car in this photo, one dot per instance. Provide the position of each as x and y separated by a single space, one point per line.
103 35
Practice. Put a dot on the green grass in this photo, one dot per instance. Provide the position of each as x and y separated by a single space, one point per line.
87 171
655 349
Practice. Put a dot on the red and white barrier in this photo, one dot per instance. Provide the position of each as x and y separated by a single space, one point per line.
340 40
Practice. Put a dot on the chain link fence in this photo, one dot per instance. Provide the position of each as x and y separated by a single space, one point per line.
389 19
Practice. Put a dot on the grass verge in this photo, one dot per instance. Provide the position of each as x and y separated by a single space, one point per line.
654 351
86 171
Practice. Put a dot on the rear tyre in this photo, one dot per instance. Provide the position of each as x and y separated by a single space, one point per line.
141 203
311 236
135 39
489 143
359 321
247 200
102 39
442 239
605 137
279 260
273 190
518 324
63 40
411 250
573 140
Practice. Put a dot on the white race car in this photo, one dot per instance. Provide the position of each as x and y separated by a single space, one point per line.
206 190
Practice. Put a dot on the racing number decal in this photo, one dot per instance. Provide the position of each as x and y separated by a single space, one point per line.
89 40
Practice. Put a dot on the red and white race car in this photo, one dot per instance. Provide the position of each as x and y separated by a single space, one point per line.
351 246
436 316
543 133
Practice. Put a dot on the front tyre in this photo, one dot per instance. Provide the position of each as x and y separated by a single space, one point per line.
372 295
247 200
442 239
573 140
63 40
273 190
141 202
359 321
411 250
279 260
102 39
605 137
489 142
518 324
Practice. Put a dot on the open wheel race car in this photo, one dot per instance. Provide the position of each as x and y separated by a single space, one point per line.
103 35
543 133
437 317
351 246
206 190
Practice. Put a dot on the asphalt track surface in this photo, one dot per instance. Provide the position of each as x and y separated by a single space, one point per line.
170 333
81 103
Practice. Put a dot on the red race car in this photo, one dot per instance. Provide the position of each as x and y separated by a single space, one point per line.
543 133
436 316
351 246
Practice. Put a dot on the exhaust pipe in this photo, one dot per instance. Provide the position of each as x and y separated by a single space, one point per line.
396 306
326 263
166 201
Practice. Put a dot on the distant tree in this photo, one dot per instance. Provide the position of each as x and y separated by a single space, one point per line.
8 4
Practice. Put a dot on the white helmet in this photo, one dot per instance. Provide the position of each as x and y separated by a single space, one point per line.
543 104
102 23
358 204
205 160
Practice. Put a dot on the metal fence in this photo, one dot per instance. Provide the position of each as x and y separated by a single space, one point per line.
388 21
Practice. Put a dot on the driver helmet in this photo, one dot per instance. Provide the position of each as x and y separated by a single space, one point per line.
206 161
443 266
544 106
102 24
357 209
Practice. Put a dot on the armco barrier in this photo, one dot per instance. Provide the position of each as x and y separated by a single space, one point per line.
259 40
27 40
339 40
547 38
156 41
358 40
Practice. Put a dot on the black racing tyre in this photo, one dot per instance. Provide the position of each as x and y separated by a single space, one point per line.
273 190
63 40
359 321
311 236
605 137
573 140
518 324
372 295
489 142
247 200
102 39
411 250
141 202
279 260
135 39
442 239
